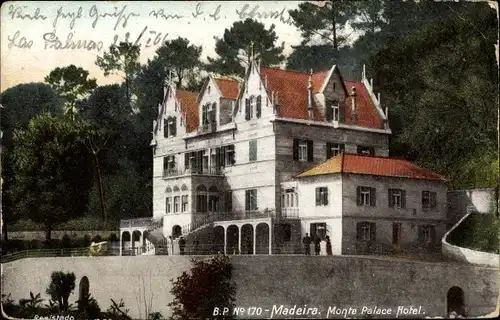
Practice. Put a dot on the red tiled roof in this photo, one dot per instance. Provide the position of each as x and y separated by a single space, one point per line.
366 113
372 165
189 108
229 88
292 88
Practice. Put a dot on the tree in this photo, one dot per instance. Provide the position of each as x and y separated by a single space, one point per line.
71 83
324 23
178 56
121 59
60 287
440 84
369 16
235 48
19 105
52 169
206 286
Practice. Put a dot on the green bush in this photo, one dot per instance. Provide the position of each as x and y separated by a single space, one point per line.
113 237
86 240
477 232
66 241
191 300
96 239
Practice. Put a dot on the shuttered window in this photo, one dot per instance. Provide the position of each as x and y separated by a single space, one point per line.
321 196
333 149
251 200
173 126
365 196
248 109
396 198
366 231
429 200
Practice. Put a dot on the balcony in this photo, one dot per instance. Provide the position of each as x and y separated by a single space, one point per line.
208 128
149 223
210 171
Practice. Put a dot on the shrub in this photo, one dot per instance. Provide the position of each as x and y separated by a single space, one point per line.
113 237
36 244
97 238
66 241
86 240
206 286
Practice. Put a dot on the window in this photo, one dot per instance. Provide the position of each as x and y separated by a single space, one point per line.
318 229
366 151
289 198
366 231
168 164
252 150
333 149
201 199
205 114
229 201
321 196
170 127
397 198
184 203
176 203
251 200
213 199
429 200
249 105
365 196
426 234
336 112
228 155
258 107
169 205
303 150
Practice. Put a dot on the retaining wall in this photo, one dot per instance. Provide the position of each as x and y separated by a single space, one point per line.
271 281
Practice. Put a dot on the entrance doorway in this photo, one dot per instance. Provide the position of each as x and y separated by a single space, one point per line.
455 301
396 233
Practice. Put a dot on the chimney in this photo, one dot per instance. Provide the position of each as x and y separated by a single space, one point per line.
277 99
386 123
265 81
353 111
309 97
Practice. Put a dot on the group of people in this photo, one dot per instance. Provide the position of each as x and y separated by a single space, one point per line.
317 245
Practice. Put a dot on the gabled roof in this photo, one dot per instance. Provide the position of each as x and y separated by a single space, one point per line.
293 100
366 112
189 108
228 87
292 89
371 165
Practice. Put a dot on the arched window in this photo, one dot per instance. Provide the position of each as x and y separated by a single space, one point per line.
184 187
176 189
168 190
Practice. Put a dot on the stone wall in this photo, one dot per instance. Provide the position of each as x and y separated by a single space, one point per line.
265 281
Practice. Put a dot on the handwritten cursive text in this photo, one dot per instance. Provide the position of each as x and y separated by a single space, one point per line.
19 42
16 12
52 41
151 39
120 14
73 16
161 14
245 12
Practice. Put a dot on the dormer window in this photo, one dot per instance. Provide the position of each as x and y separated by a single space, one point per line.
253 107
332 111
170 127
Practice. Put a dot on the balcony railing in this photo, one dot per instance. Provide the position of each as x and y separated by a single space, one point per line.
214 171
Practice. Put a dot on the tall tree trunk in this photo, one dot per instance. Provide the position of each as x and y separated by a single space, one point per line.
65 303
101 191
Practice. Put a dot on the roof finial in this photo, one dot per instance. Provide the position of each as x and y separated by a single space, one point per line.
363 74
309 82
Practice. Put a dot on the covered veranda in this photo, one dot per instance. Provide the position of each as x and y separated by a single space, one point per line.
243 237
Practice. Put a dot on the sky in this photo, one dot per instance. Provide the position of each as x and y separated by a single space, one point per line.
35 35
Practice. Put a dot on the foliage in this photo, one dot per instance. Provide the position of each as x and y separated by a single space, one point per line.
156 316
179 56
19 105
31 305
478 232
52 169
207 285
117 311
122 59
325 24
60 287
71 83
235 48
414 76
